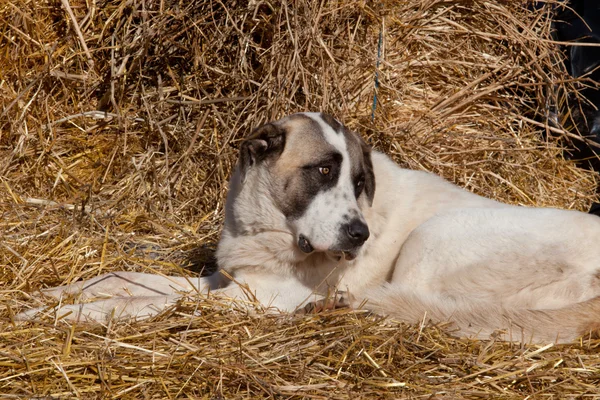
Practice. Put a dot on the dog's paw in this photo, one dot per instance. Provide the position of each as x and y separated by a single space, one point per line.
339 300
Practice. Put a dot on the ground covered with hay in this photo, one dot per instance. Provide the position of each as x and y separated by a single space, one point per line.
119 127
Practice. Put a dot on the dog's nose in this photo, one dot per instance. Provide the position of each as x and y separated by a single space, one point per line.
358 232
305 245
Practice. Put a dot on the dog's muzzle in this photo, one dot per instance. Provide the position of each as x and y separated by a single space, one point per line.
305 245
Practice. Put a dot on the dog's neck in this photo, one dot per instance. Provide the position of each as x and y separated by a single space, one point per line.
277 253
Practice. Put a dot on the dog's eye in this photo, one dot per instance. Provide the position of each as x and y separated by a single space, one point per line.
358 186
324 170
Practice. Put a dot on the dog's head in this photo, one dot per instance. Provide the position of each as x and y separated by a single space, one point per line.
317 174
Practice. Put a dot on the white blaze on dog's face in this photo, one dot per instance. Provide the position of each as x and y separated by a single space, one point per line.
318 174
332 220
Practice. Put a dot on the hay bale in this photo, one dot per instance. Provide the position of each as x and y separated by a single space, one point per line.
119 127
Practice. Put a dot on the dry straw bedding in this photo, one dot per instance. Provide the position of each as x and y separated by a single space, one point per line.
119 127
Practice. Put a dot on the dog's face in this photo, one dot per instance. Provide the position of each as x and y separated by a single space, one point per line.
318 174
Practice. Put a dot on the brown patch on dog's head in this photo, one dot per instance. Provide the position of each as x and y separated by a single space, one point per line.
295 182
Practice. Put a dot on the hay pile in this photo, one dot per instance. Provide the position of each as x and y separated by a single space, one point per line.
119 127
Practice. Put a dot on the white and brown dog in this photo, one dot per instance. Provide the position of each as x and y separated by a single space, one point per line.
311 208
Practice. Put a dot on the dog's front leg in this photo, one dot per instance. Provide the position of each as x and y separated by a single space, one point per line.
121 295
136 295
127 284
139 307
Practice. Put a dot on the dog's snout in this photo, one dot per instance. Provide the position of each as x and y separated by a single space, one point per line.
358 232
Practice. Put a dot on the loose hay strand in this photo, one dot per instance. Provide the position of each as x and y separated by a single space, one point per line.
119 128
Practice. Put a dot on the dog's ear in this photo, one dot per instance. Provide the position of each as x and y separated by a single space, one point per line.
264 142
369 173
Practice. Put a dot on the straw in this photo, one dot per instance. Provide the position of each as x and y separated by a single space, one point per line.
119 128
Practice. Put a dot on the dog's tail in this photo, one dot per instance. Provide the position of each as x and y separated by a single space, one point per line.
482 320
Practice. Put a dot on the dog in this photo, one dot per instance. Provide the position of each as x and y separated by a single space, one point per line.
312 209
